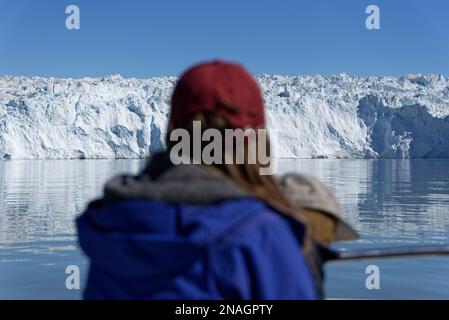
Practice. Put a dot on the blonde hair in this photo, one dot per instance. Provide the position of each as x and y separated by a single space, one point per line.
246 175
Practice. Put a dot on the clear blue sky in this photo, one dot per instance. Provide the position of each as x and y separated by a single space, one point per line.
138 38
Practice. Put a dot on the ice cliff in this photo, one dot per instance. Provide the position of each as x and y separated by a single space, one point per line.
337 116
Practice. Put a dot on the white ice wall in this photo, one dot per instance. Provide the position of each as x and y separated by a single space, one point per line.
337 116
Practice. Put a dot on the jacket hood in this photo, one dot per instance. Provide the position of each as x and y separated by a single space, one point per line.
161 220
165 182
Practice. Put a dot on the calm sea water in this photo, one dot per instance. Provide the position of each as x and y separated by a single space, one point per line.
390 203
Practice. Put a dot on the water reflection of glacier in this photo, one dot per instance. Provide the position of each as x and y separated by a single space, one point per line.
388 200
40 199
394 200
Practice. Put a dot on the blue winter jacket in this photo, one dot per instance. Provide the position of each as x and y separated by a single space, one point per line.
187 232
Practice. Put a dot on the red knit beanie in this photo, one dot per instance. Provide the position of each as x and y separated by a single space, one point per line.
222 88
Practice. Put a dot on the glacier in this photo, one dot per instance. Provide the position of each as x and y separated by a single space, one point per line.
338 116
